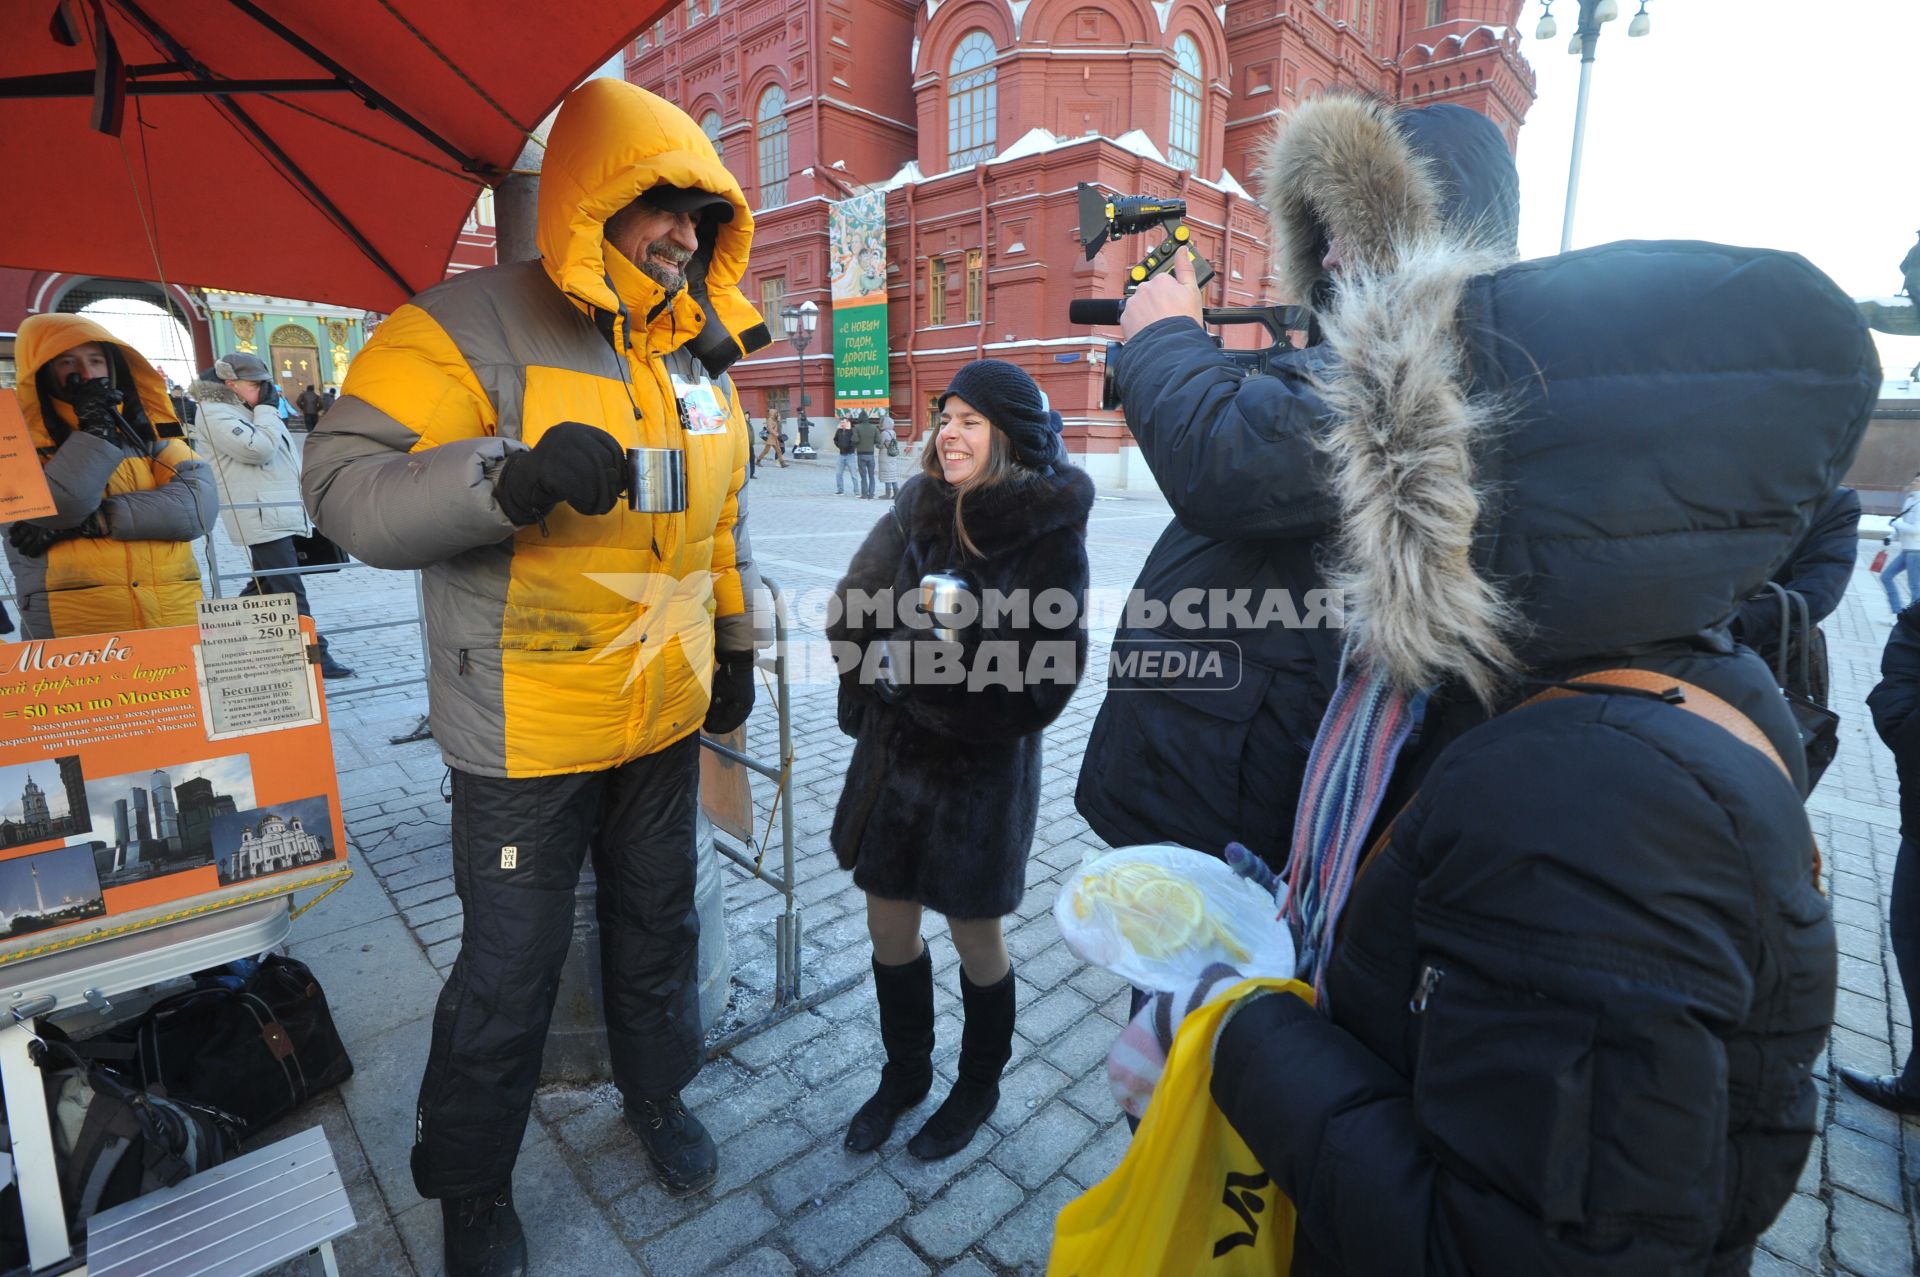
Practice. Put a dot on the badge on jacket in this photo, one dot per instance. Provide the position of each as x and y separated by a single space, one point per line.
702 409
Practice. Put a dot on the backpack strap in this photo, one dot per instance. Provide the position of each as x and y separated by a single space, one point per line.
1697 701
1675 691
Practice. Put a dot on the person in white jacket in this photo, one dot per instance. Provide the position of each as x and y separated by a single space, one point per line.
1903 568
239 426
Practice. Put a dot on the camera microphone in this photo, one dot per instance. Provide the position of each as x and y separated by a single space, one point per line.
1096 311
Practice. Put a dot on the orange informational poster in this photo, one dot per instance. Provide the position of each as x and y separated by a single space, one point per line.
23 484
140 784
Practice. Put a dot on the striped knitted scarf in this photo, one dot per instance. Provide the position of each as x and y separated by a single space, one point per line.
1366 725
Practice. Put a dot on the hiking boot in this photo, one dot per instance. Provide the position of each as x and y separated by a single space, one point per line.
331 668
483 1237
986 1044
905 994
679 1147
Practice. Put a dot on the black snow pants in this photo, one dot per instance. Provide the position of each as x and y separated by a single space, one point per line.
518 846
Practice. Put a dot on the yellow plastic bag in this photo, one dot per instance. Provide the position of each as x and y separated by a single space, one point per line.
1188 1199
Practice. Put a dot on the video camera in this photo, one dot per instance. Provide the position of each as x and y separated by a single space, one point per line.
1102 217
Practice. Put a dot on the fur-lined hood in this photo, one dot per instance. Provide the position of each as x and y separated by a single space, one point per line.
1379 179
1544 463
206 390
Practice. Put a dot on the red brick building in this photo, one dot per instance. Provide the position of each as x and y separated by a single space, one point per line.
980 117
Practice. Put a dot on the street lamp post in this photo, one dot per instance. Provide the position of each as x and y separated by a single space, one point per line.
1586 38
800 322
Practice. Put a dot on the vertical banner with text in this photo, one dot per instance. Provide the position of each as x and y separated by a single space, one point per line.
857 243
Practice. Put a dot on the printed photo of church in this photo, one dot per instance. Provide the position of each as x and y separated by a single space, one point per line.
43 801
272 840
48 889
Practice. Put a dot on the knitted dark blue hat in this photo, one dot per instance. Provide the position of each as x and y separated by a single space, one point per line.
1013 402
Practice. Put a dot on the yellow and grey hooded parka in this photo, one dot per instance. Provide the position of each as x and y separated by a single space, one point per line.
152 499
580 643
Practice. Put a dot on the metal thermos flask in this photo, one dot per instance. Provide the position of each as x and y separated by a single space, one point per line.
942 596
656 480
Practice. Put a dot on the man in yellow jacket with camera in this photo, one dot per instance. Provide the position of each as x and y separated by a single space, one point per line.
578 644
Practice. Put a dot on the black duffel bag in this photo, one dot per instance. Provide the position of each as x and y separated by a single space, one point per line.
257 1051
316 551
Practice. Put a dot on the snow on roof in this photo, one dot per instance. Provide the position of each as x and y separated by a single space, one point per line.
909 174
1140 144
1230 184
1899 388
1033 142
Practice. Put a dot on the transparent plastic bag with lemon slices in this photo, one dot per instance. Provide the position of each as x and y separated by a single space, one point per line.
1157 916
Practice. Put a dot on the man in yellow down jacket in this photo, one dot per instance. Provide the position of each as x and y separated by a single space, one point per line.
117 553
480 437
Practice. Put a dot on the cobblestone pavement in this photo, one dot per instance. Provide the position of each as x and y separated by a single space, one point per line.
789 1199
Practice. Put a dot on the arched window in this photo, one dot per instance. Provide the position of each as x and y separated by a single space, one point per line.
1183 138
710 125
771 130
972 101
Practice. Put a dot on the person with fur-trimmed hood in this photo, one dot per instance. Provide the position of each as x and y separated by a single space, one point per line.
1206 763
943 791
1552 880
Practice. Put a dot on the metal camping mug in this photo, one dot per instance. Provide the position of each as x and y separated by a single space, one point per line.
942 596
656 480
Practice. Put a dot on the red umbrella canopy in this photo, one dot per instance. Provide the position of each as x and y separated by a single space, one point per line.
321 149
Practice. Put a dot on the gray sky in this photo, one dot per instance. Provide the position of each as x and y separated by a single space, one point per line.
1777 123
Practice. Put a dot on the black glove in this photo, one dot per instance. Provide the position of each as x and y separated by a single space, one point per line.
269 396
583 466
33 540
732 692
96 406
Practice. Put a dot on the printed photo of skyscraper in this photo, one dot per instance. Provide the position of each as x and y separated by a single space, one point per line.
161 821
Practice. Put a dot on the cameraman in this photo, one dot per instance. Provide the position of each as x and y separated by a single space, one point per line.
117 552
1211 762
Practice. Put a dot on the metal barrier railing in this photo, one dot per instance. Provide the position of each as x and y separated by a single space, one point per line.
787 998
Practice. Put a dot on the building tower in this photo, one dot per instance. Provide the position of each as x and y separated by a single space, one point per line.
79 818
166 817
39 901
142 827
33 810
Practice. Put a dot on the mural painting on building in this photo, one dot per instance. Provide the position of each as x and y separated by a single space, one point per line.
160 821
43 800
269 840
48 889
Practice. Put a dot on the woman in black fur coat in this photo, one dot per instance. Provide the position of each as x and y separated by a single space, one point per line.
943 792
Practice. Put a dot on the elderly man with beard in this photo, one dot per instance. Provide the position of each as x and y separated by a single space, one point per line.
578 647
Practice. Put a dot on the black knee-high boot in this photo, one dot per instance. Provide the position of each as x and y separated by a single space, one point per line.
906 1030
986 1044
